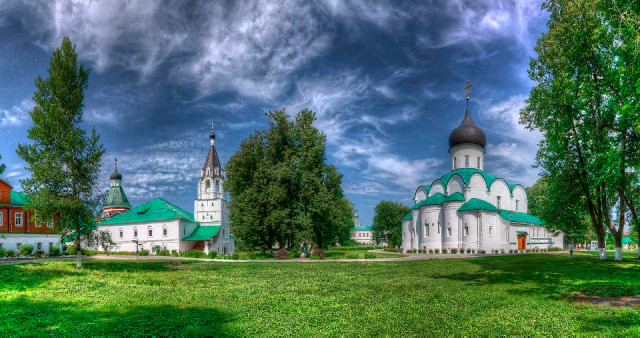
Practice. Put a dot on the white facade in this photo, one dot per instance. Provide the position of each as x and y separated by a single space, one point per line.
40 241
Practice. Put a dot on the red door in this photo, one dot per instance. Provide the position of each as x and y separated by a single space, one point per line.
522 244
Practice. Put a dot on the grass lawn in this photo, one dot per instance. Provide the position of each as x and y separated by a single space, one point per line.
329 254
503 295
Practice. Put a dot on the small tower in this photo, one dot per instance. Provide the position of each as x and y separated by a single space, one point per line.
117 201
467 142
211 196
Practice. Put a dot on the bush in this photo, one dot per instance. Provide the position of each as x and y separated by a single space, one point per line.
175 253
468 251
163 253
71 250
26 249
40 253
444 251
2 252
436 251
430 251
389 249
190 254
317 252
144 252
55 251
253 255
483 252
353 256
235 255
281 254
555 249
369 255
11 253
454 251
212 254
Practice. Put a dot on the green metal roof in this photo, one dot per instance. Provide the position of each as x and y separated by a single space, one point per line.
407 217
625 239
520 217
155 210
456 196
203 233
362 228
465 174
435 199
477 204
117 198
17 199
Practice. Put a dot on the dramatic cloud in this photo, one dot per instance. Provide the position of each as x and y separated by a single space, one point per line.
17 114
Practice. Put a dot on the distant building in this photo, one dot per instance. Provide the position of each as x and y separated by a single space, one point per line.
361 233
161 225
468 208
116 202
20 227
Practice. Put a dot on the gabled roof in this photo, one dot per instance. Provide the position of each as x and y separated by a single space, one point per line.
520 217
407 217
435 199
456 196
477 204
362 228
17 199
203 233
155 210
117 198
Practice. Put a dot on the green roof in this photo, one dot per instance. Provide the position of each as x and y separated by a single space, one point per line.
117 198
456 196
17 199
520 217
435 199
203 233
362 228
625 239
407 217
465 174
155 210
477 204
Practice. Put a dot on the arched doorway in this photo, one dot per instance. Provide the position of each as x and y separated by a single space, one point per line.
522 241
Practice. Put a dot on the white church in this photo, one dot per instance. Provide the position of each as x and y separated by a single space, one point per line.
468 208
160 225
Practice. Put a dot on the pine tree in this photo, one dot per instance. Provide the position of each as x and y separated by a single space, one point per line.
63 160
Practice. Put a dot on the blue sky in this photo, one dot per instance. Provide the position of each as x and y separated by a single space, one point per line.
386 80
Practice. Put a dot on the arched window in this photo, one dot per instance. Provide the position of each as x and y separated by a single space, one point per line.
466 161
217 186
208 184
478 162
455 164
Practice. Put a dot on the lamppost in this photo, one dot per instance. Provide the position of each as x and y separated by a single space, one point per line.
137 246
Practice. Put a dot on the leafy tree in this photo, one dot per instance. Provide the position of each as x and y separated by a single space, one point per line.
387 221
282 191
585 104
63 160
2 166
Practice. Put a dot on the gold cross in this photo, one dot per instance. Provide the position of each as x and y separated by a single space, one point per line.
116 160
468 89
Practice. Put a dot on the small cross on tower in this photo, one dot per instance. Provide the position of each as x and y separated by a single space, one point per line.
116 160
468 89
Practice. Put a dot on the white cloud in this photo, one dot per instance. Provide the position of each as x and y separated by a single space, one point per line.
17 114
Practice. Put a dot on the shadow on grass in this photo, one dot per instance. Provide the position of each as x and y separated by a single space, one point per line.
23 316
21 277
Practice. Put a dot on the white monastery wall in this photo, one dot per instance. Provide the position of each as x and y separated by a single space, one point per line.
477 188
458 154
437 187
500 188
455 184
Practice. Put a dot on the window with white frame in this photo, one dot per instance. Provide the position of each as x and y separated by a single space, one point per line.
455 163
50 224
121 233
38 223
149 232
39 246
490 230
438 227
517 205
498 201
478 162
426 229
466 161
1 218
18 219
164 231
466 229
135 232
449 232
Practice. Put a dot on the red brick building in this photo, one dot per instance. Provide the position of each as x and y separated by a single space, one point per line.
19 227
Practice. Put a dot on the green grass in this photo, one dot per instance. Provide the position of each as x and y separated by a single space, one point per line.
505 295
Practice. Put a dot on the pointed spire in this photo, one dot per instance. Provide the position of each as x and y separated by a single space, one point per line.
212 167
467 132
212 136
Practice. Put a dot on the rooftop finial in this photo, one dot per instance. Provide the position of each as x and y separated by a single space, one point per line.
116 160
212 136
468 90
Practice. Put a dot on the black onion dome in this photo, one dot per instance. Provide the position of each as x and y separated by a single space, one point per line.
116 175
467 132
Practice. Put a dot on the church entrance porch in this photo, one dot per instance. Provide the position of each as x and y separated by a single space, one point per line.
522 241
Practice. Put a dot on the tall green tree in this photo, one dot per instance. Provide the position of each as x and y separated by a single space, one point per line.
63 160
282 190
387 222
585 105
2 166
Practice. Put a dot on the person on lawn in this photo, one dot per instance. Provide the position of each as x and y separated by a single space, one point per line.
571 249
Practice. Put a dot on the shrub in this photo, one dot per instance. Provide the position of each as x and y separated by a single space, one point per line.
430 251
144 252
436 251
483 252
468 251
253 255
235 255
175 253
555 249
369 255
40 253
2 252
71 250
26 249
317 252
453 251
281 254
189 253
353 256
389 249
163 253
212 254
55 251
11 253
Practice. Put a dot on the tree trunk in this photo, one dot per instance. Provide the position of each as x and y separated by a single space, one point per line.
601 247
262 251
619 248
